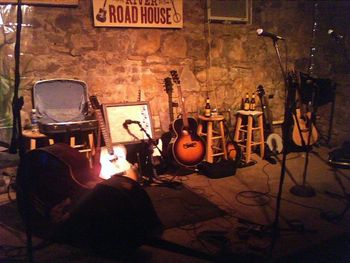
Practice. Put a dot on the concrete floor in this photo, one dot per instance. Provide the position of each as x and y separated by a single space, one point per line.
311 229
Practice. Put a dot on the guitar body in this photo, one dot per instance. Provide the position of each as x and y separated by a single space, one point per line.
233 151
116 164
274 143
188 148
301 129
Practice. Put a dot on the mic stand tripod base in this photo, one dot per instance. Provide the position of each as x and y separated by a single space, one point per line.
302 191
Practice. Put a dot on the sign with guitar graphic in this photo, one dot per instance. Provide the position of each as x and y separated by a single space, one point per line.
188 147
138 13
43 2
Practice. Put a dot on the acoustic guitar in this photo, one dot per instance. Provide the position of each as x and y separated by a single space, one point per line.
304 131
112 158
188 148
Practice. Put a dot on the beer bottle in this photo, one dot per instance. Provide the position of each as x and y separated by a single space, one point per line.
207 109
252 103
246 102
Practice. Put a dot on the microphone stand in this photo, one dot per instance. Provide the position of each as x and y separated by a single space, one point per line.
285 134
17 140
305 190
288 121
149 161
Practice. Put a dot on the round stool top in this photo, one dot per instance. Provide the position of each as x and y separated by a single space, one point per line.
32 134
249 112
212 118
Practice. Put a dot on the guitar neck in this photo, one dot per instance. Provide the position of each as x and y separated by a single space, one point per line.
267 118
104 130
183 108
171 111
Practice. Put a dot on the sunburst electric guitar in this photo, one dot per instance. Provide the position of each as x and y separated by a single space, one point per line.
188 148
112 158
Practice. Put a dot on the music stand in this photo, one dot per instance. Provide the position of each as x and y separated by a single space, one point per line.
325 94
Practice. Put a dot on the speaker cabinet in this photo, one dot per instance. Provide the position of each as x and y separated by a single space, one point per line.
230 11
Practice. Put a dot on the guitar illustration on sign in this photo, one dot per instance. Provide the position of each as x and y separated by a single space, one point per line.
188 148
102 13
112 158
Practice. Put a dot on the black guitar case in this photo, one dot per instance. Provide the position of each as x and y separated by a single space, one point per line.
223 167
340 157
62 201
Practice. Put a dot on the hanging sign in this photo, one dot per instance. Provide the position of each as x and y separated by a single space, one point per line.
138 13
43 2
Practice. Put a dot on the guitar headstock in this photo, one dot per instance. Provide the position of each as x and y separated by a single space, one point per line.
168 85
260 91
293 77
175 76
94 102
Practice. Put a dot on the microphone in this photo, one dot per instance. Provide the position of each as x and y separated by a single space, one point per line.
333 34
128 122
263 33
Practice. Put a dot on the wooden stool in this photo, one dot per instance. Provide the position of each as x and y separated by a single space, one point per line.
212 135
87 145
244 134
33 136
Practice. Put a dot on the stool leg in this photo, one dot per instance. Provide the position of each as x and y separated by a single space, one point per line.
200 129
249 138
91 143
32 144
72 141
209 142
262 139
222 134
238 127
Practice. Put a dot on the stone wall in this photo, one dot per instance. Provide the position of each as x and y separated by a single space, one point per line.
222 60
